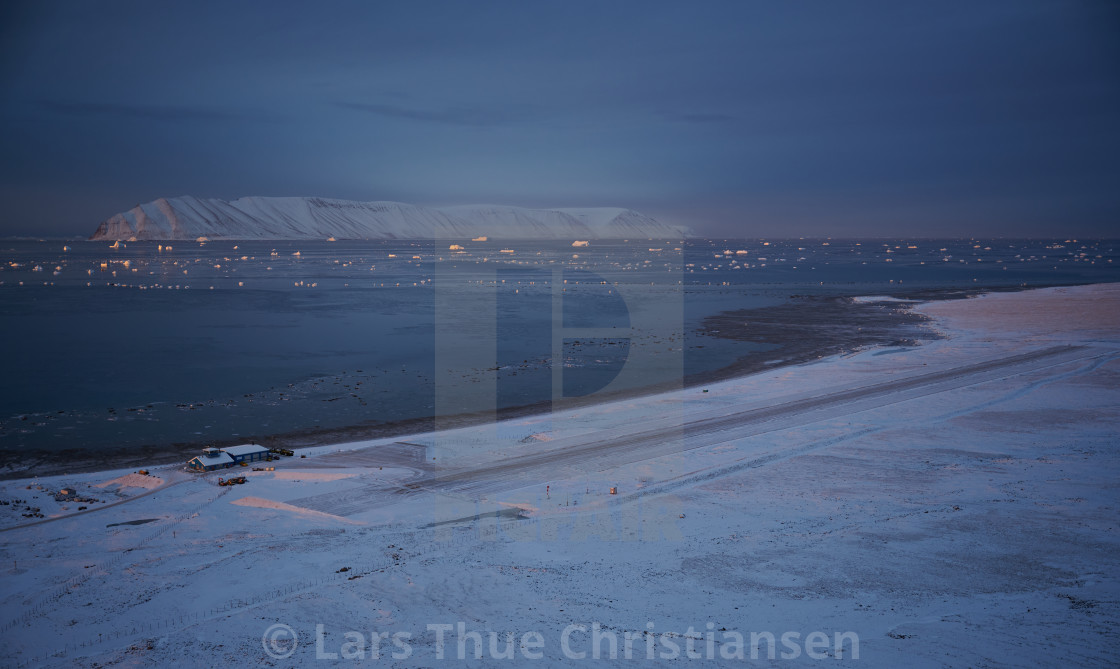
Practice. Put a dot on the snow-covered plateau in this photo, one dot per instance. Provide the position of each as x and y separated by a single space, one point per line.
950 504
191 217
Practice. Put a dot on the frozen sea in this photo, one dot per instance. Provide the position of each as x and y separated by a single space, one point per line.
110 349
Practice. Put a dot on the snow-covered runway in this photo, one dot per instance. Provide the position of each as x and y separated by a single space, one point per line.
604 449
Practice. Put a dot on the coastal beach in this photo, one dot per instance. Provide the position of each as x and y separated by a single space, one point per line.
951 503
803 330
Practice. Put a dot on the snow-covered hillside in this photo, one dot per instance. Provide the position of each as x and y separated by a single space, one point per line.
190 217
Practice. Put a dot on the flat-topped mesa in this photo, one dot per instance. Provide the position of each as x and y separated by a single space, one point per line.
189 217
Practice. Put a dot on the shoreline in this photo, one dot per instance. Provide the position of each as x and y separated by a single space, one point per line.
807 329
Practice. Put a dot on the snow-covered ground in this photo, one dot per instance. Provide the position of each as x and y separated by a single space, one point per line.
953 504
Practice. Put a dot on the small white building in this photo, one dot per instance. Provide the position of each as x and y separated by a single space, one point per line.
210 460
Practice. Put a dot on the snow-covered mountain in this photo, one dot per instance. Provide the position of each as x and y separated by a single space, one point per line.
190 217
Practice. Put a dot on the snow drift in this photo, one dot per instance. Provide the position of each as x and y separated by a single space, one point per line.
190 217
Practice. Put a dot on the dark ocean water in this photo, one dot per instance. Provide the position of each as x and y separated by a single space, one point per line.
112 348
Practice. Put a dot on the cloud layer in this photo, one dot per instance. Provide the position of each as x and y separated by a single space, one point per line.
743 119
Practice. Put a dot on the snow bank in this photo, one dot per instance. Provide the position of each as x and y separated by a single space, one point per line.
261 503
133 480
1081 311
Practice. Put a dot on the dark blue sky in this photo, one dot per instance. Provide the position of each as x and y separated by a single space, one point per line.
740 119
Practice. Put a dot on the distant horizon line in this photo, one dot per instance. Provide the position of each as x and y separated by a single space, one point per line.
82 238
